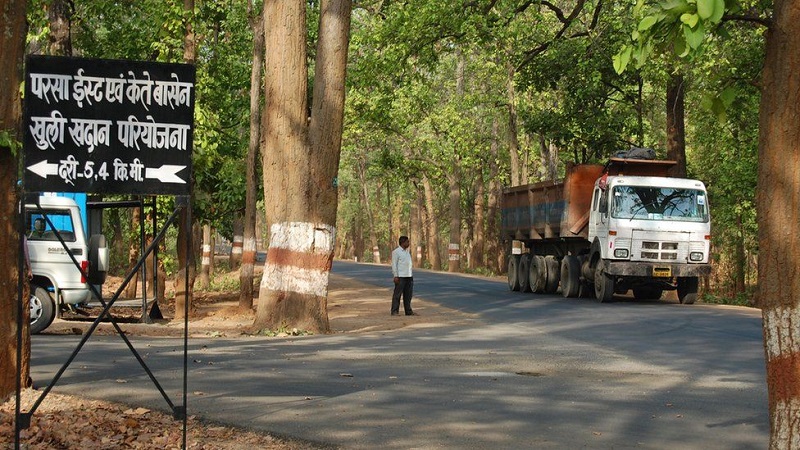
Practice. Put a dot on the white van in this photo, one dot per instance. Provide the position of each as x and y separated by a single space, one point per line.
57 282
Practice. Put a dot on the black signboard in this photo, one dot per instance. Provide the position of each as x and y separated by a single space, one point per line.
108 126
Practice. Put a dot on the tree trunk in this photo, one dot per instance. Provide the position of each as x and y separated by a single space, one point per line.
246 292
12 42
59 15
301 160
416 230
134 249
496 255
454 247
373 235
432 225
235 258
513 141
676 131
476 260
186 254
205 262
779 222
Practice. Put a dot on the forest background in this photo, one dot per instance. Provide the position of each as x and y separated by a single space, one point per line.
448 104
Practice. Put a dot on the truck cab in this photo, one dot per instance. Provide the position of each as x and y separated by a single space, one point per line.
648 234
58 282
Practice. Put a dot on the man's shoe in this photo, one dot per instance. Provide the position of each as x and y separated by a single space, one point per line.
395 313
412 313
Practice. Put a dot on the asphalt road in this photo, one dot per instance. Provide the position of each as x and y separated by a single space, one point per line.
531 371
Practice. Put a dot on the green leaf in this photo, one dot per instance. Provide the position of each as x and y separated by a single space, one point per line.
719 11
694 37
681 49
647 23
728 96
622 59
690 19
705 8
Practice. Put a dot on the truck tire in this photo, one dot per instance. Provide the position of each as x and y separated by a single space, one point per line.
647 293
43 309
513 278
538 274
570 276
603 284
687 290
553 274
522 273
97 269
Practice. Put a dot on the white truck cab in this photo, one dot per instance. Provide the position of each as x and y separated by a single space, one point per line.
57 281
646 231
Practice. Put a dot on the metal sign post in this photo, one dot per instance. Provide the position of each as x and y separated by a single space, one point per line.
110 127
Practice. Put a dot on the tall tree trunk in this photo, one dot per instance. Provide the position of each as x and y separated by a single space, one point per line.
13 29
59 15
235 259
186 254
779 222
301 160
373 234
513 140
676 131
454 247
205 262
416 230
246 291
495 251
740 262
432 225
476 260
134 249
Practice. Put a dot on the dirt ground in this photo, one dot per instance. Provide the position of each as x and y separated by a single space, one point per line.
67 422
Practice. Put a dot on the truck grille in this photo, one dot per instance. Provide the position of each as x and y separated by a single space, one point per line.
659 251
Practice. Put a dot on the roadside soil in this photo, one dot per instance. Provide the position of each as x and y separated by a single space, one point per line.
68 422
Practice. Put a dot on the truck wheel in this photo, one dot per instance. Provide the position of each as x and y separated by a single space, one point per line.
603 284
43 309
570 276
553 274
538 274
522 273
687 290
513 279
98 259
647 293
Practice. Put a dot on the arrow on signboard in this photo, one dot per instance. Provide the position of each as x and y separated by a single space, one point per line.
44 168
165 174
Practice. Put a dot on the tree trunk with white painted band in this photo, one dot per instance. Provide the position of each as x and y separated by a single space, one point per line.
301 161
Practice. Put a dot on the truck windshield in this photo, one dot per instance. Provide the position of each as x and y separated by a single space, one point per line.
659 203
39 230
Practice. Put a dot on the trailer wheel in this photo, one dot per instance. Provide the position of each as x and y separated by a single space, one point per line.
42 307
570 276
687 289
553 274
647 293
513 278
538 274
603 283
522 273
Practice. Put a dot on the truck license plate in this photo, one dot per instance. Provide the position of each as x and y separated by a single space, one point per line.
662 272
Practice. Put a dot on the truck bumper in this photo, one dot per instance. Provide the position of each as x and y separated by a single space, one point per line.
643 269
74 296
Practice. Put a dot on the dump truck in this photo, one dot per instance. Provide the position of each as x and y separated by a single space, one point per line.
609 229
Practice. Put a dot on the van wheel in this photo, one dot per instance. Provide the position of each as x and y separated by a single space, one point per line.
513 276
43 309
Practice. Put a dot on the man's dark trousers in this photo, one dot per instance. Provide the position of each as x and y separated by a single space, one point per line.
406 287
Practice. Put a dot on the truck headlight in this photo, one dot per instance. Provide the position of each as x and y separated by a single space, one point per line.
621 253
696 256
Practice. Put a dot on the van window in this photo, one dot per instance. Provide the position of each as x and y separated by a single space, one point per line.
38 229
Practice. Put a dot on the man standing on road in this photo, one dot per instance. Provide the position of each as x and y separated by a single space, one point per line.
403 280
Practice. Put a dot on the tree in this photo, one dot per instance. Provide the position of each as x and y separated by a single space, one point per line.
301 159
12 41
256 21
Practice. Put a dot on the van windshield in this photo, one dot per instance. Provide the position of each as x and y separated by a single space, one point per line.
659 203
38 229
